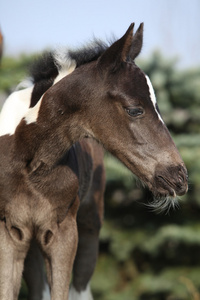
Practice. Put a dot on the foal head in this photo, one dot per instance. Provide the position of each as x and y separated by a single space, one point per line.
124 116
112 100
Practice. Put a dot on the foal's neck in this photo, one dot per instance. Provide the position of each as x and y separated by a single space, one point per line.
46 140
59 120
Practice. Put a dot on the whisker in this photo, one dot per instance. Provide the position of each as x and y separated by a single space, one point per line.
140 183
159 204
163 204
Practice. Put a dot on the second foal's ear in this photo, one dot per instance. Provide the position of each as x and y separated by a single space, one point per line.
122 49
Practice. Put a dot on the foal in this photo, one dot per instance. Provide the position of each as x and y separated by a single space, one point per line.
46 178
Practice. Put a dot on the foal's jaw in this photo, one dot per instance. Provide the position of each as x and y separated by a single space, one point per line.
164 179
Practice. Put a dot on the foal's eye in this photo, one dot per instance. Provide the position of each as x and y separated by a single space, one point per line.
134 112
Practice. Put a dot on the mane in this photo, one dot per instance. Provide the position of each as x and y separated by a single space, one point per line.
43 67
88 53
50 63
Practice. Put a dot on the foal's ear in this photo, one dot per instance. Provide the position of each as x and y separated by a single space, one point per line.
128 46
137 42
117 52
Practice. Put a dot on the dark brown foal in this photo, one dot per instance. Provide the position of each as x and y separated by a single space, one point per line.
52 178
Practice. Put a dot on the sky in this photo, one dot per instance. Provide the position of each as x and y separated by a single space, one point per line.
173 26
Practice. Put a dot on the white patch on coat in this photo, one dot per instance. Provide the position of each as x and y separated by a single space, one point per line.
32 113
62 58
17 104
14 110
63 73
67 67
46 293
64 63
153 97
83 295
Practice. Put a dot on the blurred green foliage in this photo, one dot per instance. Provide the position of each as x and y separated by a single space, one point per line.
13 71
144 256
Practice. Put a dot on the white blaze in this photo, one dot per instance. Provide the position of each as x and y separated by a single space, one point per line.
153 97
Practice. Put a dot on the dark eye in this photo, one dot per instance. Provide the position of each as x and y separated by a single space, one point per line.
134 112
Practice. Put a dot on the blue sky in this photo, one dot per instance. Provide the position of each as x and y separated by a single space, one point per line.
170 25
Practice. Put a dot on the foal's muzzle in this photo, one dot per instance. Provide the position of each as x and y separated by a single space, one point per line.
171 182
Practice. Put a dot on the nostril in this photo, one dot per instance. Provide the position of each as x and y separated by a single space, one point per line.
181 179
182 176
173 179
